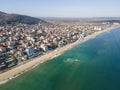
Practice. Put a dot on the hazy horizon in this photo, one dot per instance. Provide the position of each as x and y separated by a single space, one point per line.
62 8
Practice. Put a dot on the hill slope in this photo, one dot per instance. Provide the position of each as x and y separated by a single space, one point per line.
16 18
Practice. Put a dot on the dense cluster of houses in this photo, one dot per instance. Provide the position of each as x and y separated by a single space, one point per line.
22 42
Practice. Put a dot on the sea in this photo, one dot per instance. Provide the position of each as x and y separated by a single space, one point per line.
92 65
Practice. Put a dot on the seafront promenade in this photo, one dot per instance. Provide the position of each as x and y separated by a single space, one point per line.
6 76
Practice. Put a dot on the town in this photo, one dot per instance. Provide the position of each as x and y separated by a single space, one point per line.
21 42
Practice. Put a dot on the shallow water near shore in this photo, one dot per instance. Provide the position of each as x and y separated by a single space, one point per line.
93 65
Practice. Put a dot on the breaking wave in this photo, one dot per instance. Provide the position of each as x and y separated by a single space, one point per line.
71 60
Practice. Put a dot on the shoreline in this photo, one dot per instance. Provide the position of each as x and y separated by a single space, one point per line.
15 72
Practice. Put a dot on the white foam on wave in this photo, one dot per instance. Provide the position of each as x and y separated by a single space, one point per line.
56 55
71 60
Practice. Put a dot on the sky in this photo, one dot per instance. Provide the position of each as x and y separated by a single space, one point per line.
62 8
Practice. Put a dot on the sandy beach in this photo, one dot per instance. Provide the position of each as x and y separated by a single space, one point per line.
8 75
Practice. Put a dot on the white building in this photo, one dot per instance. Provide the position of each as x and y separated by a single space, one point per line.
44 47
97 28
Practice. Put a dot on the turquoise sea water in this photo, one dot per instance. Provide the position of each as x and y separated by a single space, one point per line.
93 65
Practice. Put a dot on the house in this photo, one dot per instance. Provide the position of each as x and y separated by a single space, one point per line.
2 48
44 47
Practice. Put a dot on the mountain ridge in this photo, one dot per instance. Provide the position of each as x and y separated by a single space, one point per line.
6 18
